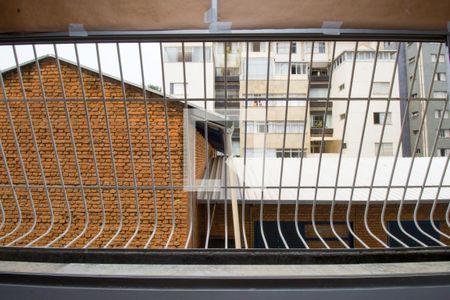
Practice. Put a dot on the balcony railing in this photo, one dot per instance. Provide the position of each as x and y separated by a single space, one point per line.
321 78
320 104
317 132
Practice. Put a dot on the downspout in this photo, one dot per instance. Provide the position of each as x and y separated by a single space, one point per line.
403 90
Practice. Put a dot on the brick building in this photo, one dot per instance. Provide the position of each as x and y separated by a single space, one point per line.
104 109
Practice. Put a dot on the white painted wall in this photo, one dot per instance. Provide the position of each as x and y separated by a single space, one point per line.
355 117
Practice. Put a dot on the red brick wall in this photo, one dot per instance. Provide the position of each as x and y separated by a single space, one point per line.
115 109
322 214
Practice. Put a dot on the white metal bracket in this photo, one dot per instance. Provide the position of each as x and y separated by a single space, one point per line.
211 18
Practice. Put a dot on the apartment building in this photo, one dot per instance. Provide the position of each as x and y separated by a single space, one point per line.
355 84
429 55
265 125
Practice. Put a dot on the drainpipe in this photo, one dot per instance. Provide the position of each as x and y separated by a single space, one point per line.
403 91
232 179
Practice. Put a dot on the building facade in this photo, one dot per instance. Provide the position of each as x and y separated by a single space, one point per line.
428 57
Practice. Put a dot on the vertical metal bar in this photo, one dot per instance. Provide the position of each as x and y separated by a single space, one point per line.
414 156
111 149
191 206
214 168
416 208
347 221
322 144
405 116
130 145
13 189
244 234
369 98
282 149
447 220
205 95
3 215
36 147
92 145
333 201
261 210
22 166
300 171
150 149
172 230
433 208
74 147
225 141
55 151
366 209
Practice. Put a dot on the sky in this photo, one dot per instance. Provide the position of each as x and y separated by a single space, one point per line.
129 53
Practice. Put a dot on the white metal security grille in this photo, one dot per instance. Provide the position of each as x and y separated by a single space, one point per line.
306 174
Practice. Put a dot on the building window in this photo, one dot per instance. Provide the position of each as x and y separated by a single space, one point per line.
341 87
177 89
318 92
258 47
411 228
434 57
440 94
191 54
387 149
289 153
444 133
317 121
315 146
411 60
283 48
438 114
365 55
386 56
444 152
378 118
415 131
342 116
415 114
275 127
440 76
321 47
298 69
380 88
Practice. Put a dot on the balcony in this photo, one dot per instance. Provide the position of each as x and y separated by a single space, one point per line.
318 104
317 132
319 78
